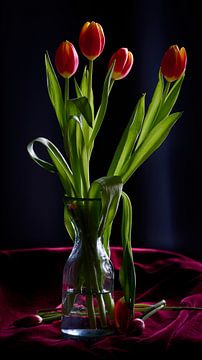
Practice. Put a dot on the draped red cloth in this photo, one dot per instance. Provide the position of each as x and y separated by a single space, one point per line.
31 279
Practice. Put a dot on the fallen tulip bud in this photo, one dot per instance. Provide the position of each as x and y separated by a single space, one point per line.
121 314
28 321
136 327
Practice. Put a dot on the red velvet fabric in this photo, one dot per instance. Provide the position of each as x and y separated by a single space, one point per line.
31 279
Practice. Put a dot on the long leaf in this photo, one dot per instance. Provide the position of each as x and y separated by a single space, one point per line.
170 101
109 188
128 140
84 82
152 110
87 124
68 223
103 107
106 239
60 166
54 90
154 139
84 107
127 271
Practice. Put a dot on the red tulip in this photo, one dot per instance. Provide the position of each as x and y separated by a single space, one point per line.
66 59
123 64
91 40
136 327
29 320
121 314
174 63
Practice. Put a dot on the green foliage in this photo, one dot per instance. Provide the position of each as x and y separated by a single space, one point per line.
127 275
143 134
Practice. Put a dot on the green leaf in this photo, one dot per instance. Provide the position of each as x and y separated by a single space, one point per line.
70 138
153 140
152 110
106 239
170 101
109 188
84 107
44 164
68 223
76 149
77 89
54 90
72 112
103 106
60 166
84 82
127 271
129 138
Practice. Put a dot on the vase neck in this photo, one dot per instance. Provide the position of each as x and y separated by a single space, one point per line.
85 217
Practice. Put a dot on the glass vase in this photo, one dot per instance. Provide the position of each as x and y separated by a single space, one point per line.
88 276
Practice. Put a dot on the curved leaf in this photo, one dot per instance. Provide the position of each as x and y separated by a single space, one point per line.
152 110
153 140
103 106
109 188
170 100
54 90
128 140
127 271
84 108
59 165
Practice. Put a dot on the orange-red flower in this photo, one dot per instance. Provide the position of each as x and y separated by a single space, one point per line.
91 40
121 314
123 64
174 63
66 59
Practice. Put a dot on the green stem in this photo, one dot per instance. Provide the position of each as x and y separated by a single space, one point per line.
101 303
66 97
152 311
166 90
111 86
109 302
102 312
182 308
90 86
65 134
91 311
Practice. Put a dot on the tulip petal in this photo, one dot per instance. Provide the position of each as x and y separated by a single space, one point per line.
66 59
173 63
91 40
123 63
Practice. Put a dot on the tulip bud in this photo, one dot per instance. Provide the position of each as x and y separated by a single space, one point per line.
91 40
174 63
66 59
136 327
123 64
121 314
29 320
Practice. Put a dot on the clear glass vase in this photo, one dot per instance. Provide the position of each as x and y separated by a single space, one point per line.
88 276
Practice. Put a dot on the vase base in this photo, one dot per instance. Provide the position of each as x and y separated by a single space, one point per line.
85 334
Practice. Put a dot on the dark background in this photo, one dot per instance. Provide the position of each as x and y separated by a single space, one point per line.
166 190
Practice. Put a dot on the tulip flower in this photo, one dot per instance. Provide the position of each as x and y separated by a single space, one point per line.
123 64
66 59
121 314
91 40
174 63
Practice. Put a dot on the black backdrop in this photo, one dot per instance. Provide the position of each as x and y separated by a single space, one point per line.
166 190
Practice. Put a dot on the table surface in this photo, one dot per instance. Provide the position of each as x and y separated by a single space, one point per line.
31 279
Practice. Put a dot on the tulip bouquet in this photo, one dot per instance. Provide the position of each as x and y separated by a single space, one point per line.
80 123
